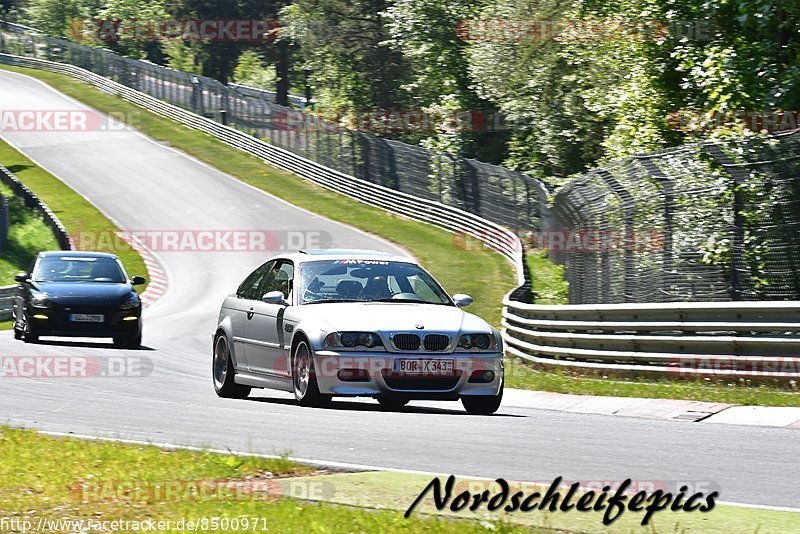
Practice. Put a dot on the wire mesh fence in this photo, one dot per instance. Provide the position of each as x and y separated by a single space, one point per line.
706 222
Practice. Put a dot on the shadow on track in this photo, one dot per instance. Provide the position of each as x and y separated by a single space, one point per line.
83 344
348 405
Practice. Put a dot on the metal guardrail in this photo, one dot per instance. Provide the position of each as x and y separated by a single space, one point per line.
751 340
7 294
294 100
4 221
33 201
453 219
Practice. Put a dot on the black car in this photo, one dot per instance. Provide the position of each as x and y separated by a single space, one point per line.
78 294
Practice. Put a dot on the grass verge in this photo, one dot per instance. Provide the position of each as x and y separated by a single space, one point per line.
27 235
67 479
521 375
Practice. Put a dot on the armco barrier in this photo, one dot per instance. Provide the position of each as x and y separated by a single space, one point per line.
32 201
7 294
493 235
750 340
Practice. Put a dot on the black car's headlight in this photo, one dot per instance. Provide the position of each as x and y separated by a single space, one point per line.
130 304
352 340
40 301
482 342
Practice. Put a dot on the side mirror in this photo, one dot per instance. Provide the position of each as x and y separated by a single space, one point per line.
274 297
138 280
22 277
462 300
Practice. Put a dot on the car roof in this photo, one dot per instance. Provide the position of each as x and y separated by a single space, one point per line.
343 254
77 254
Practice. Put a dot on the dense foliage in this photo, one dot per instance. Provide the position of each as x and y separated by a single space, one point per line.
610 82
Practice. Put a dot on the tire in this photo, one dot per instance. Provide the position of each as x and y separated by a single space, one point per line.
222 372
27 335
128 342
392 403
17 333
483 404
304 377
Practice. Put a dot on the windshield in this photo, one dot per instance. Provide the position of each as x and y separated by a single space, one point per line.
368 281
78 269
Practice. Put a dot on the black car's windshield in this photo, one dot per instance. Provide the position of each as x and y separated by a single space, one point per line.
78 269
368 281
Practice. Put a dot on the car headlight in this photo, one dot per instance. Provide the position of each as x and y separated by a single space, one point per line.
40 301
130 304
483 342
352 340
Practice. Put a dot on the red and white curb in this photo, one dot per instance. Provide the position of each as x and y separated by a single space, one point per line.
156 277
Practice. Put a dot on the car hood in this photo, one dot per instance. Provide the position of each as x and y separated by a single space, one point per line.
84 293
392 317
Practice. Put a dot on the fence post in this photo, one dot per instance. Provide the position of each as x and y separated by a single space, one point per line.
4 221
738 177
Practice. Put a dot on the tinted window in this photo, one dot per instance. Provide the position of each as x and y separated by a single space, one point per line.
368 280
79 269
249 288
280 278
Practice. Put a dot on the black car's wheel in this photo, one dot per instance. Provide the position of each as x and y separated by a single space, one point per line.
392 403
483 404
128 342
304 378
223 372
28 335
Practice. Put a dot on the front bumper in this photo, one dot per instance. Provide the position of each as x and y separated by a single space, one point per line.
55 322
382 378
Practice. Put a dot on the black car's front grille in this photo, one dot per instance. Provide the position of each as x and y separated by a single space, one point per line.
436 342
401 382
406 341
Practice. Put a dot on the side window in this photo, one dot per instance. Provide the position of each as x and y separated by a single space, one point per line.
280 278
249 288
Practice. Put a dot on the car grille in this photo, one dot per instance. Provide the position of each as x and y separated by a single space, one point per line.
406 341
436 342
403 382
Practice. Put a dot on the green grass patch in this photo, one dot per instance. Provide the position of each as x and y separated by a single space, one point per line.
74 211
27 235
72 479
520 375
547 279
484 275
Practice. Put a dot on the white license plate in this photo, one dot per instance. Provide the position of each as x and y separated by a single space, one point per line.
86 318
418 367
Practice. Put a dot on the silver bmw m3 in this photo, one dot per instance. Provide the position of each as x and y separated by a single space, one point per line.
355 323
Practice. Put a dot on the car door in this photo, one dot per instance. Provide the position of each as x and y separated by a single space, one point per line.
241 309
264 340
